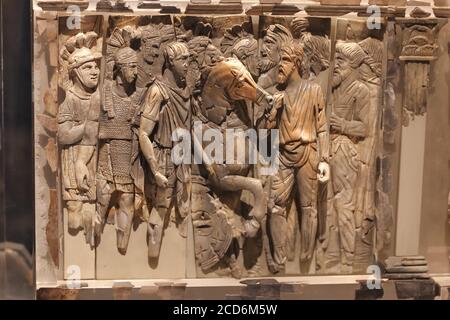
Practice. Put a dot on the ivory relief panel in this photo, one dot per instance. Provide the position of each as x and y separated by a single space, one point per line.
212 146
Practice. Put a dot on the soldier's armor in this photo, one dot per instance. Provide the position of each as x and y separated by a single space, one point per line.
118 125
116 129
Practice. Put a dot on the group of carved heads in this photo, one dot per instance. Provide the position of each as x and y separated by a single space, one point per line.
138 58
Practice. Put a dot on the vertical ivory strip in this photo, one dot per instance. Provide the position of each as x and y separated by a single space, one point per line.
47 233
410 187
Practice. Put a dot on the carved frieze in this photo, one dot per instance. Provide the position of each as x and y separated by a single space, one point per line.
159 120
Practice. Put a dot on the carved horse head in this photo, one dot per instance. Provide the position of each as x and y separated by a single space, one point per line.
231 77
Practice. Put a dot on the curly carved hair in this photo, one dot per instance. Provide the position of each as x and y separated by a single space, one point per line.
294 49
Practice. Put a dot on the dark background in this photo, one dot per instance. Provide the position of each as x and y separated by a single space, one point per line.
16 140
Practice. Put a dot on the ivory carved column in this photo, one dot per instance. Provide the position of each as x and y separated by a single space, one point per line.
419 50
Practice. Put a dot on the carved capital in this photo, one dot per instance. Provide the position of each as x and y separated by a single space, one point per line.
419 48
419 39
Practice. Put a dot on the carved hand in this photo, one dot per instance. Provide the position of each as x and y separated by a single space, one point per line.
161 180
323 172
366 227
337 123
82 176
216 172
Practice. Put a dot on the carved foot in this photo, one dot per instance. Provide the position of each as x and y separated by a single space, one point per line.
236 271
124 224
251 228
346 269
74 215
98 228
305 257
274 268
75 221
122 241
88 224
154 241
89 235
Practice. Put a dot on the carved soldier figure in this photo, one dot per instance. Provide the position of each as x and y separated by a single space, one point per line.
154 38
349 123
148 56
118 153
78 131
299 114
166 109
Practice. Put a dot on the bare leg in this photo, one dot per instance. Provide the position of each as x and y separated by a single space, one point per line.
74 215
156 231
104 193
124 221
157 220
238 183
88 222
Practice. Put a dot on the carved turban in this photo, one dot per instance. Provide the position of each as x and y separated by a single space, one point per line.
374 49
278 33
353 52
245 47
150 33
317 48
299 26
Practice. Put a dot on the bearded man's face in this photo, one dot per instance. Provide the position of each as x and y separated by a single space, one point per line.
342 70
286 68
270 56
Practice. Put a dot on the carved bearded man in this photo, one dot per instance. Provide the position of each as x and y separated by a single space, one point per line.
274 37
77 137
317 52
166 109
117 151
246 51
349 123
303 156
